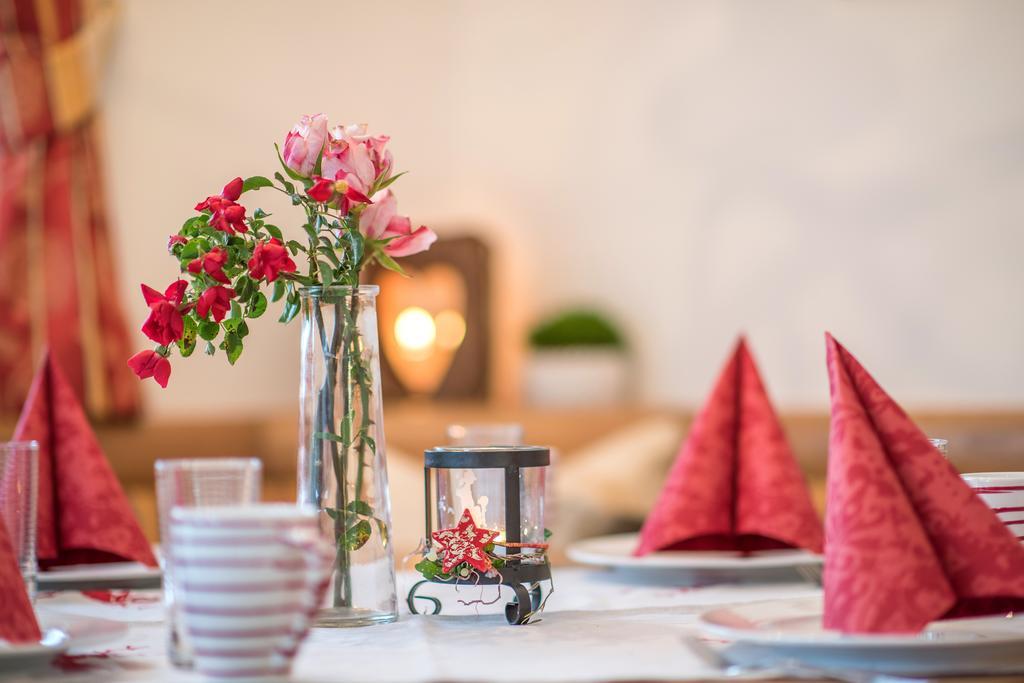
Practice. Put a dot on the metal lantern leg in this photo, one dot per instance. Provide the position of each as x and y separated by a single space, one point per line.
411 599
519 610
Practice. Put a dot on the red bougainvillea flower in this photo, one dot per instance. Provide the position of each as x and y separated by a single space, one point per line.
382 222
175 239
229 217
231 192
269 259
212 262
165 324
216 300
324 190
148 364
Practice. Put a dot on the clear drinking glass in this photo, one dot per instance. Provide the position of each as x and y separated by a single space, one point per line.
942 446
19 474
473 435
203 482
342 462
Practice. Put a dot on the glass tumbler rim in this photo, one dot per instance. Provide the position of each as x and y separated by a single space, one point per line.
30 444
171 464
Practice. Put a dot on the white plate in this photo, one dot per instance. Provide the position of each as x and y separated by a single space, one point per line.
103 575
792 630
617 551
82 632
30 656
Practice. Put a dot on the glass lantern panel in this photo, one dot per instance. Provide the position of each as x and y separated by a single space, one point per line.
482 492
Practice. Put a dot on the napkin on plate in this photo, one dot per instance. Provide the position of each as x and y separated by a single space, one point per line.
735 484
908 541
84 516
17 620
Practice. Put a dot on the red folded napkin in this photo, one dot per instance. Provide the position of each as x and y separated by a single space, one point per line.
84 516
735 484
17 620
908 541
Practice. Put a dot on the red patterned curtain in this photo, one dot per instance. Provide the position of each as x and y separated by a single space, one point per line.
57 284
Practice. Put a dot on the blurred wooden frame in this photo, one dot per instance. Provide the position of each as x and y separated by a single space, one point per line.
468 377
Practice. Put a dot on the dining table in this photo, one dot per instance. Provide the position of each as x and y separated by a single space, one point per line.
598 626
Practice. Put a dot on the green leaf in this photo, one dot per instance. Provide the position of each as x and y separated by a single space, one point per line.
332 513
274 231
291 307
189 251
288 314
231 324
358 534
389 263
259 213
355 239
318 166
233 345
389 181
236 309
284 183
326 273
360 507
210 349
255 182
331 256
243 286
192 225
382 529
291 174
257 305
187 343
428 568
295 247
327 436
278 290
209 330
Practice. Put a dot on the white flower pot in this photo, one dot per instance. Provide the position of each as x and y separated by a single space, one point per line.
577 376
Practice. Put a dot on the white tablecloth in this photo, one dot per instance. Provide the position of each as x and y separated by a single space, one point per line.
598 626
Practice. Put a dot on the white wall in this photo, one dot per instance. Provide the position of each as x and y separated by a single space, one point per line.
696 168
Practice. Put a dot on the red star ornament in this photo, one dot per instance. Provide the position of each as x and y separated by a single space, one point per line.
464 543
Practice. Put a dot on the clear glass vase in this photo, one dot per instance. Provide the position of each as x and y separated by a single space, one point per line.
342 464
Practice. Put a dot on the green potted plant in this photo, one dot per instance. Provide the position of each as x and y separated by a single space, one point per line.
577 358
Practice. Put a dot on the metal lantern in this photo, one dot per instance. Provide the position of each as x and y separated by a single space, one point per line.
502 487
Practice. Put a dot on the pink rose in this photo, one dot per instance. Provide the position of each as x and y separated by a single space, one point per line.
380 221
407 241
304 142
356 157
